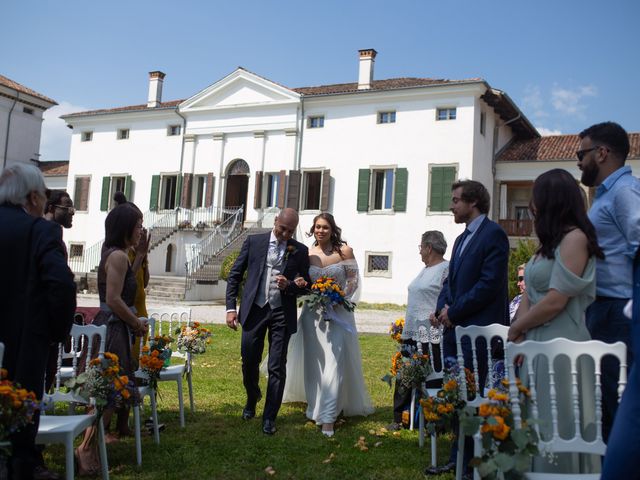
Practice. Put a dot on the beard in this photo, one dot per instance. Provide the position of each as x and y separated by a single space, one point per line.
589 174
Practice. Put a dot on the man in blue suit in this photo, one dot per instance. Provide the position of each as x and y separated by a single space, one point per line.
475 292
272 261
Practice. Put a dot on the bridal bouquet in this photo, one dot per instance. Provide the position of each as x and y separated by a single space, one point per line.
17 406
155 357
102 382
325 294
506 450
193 338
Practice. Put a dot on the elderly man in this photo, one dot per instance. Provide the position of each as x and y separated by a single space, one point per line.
616 217
37 294
272 261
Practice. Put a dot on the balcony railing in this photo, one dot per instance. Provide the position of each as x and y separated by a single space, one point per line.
517 228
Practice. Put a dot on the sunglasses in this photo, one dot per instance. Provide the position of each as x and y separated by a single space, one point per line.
520 278
69 209
581 153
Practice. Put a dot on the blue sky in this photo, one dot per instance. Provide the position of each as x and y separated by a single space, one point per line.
567 64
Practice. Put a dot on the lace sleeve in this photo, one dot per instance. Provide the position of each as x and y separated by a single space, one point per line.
351 272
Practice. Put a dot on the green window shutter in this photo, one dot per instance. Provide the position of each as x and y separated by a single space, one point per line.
127 188
104 202
440 189
178 190
400 190
364 175
155 188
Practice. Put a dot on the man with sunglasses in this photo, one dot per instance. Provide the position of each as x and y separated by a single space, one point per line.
615 214
59 208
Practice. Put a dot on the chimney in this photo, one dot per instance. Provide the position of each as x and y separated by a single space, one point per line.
365 74
155 89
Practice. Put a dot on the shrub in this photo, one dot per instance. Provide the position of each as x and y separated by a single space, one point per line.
524 250
225 269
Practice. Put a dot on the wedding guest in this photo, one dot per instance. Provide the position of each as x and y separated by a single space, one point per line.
117 291
561 282
615 214
515 302
59 208
37 298
421 304
623 443
335 384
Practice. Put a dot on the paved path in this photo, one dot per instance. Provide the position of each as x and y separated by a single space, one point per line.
367 321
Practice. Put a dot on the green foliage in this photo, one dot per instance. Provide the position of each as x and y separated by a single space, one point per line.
225 269
521 254
381 306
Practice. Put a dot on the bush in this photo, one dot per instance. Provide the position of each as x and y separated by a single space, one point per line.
519 255
225 269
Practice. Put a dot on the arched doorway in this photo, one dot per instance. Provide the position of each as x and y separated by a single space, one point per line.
237 185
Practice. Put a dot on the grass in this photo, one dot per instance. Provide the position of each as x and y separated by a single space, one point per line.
218 444
381 306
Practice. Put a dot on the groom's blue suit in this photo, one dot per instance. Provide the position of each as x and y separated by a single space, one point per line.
256 320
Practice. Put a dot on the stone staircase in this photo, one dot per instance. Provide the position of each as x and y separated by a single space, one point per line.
165 289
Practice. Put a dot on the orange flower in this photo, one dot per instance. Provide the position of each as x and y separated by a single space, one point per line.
501 430
450 385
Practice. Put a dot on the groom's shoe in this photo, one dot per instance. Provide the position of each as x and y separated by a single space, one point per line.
248 414
269 427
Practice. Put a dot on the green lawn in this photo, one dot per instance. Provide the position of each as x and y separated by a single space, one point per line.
217 443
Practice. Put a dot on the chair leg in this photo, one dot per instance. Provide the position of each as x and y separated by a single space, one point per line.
180 402
69 454
103 450
154 415
434 447
460 456
420 428
136 426
190 385
412 409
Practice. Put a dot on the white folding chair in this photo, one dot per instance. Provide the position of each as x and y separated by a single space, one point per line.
145 391
176 317
571 351
65 428
473 333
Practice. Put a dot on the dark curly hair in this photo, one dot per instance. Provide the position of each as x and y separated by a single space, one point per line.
336 232
558 207
473 191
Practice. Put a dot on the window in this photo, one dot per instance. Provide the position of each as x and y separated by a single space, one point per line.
483 122
76 250
86 136
272 188
382 189
315 122
440 180
117 185
123 134
111 185
377 264
168 192
198 191
386 117
81 193
173 130
446 114
312 188
27 110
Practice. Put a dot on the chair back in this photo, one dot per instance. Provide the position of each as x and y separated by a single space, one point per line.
176 317
571 350
424 339
473 333
82 345
1 353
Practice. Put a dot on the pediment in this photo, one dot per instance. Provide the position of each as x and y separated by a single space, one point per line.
240 88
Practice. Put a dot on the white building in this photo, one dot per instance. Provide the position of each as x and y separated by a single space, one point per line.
378 154
21 112
55 174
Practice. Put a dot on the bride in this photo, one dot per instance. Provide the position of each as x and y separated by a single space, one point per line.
324 367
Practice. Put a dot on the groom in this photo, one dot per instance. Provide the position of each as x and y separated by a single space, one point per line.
271 260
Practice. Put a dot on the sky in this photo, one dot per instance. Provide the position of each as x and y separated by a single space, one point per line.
566 63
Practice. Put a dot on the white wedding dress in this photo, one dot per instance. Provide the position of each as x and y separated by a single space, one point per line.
324 365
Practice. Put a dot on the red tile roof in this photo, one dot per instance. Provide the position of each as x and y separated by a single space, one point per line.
129 108
7 82
389 84
58 168
553 148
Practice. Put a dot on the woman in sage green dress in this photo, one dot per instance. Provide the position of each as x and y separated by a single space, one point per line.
560 281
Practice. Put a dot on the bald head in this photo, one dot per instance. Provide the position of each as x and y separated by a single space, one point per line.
285 224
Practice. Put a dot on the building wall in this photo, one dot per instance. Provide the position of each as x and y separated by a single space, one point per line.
24 132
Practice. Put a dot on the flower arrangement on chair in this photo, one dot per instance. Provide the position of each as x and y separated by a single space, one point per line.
396 328
325 294
155 357
17 406
506 450
193 338
410 370
102 382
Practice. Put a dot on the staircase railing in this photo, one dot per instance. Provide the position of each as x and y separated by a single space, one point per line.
89 260
210 246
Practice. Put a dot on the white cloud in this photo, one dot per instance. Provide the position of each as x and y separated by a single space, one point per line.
545 132
56 137
572 102
533 101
